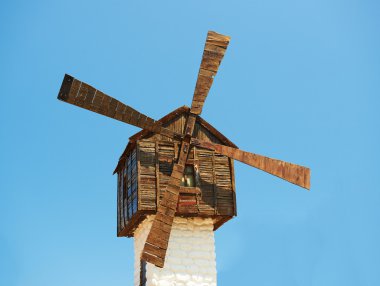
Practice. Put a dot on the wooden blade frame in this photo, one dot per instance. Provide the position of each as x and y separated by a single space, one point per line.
292 173
158 238
215 47
83 95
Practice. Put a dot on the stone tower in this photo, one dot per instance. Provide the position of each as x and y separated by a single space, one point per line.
190 258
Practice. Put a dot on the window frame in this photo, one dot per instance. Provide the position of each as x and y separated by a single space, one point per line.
129 187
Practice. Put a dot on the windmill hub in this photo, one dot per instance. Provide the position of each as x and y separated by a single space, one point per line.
176 182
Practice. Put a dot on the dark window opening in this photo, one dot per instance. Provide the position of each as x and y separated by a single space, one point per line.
188 179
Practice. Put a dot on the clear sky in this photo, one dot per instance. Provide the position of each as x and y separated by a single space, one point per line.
300 82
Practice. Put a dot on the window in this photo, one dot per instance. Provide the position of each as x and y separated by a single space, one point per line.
142 273
188 179
128 188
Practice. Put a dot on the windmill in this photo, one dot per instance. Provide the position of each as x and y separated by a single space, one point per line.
165 208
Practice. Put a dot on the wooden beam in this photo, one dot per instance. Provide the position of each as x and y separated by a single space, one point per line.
83 95
295 174
215 47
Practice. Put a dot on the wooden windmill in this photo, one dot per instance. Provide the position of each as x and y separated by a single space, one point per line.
163 170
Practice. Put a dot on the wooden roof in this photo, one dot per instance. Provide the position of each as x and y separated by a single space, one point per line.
167 118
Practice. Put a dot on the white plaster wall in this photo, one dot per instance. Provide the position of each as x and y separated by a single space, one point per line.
190 258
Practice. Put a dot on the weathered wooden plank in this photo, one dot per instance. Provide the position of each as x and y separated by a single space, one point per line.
156 251
218 39
188 209
214 49
165 210
215 202
159 262
158 237
296 174
186 190
83 95
167 203
163 226
232 169
213 53
164 218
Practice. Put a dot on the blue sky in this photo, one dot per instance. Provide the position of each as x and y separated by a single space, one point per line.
299 82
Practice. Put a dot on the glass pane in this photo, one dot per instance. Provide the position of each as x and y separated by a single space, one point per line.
130 211
129 191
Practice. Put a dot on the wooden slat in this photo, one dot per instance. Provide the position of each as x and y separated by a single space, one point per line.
159 262
296 174
218 39
215 189
232 169
83 95
187 190
164 218
215 47
163 226
158 237
156 251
